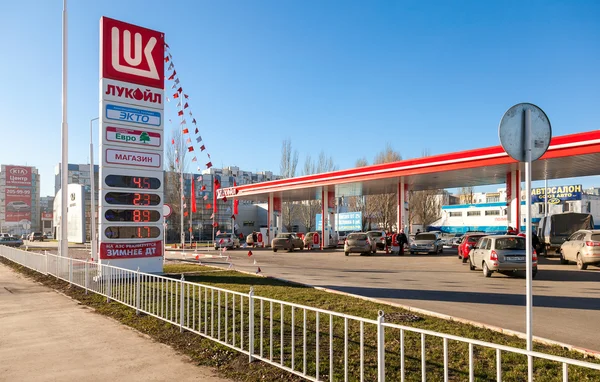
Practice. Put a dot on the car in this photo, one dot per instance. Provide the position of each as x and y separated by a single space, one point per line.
359 242
342 236
308 239
287 241
583 247
36 236
503 254
226 240
426 242
18 206
467 242
11 241
380 238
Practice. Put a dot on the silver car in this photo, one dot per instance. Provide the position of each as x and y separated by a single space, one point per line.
502 254
583 247
426 242
226 240
359 242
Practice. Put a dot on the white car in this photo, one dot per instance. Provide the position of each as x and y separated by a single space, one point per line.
17 206
226 240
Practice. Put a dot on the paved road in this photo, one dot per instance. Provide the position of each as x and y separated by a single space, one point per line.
566 301
47 337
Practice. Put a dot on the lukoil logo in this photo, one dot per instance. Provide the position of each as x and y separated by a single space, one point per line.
132 54
135 60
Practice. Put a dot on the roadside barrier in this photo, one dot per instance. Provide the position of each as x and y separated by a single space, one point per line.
316 344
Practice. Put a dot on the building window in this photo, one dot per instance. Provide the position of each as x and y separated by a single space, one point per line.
566 207
455 214
492 212
473 213
541 208
492 199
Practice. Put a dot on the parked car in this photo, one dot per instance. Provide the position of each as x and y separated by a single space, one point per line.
17 206
359 242
467 243
226 240
380 238
308 239
504 254
553 230
426 242
11 241
342 235
583 247
287 241
36 236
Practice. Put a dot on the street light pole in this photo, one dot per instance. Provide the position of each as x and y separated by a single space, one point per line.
92 195
64 243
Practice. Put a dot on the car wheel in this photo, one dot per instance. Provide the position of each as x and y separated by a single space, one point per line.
580 264
291 248
486 271
412 253
302 247
464 260
374 251
441 250
274 249
471 266
346 253
562 259
533 273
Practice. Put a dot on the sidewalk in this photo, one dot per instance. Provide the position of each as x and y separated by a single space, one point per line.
45 336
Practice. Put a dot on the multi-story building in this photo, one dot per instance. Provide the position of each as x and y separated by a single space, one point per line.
80 174
19 199
46 217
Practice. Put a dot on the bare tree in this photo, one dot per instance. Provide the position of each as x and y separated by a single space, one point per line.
172 190
424 207
466 195
289 160
308 209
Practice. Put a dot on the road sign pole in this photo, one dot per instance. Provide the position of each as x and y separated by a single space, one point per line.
529 262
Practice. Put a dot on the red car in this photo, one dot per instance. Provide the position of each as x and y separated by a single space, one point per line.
467 243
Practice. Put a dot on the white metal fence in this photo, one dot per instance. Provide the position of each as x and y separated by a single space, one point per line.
316 344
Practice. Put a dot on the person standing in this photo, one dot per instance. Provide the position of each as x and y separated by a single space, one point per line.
401 239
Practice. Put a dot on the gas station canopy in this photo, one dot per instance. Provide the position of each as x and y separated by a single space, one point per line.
568 156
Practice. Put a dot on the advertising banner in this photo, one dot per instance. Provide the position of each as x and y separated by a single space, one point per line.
18 176
17 204
128 136
46 215
556 195
345 221
109 251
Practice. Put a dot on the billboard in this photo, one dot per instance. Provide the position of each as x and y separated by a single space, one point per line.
75 215
17 204
345 221
556 195
46 215
18 176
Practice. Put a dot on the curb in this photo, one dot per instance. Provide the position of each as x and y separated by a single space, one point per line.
521 335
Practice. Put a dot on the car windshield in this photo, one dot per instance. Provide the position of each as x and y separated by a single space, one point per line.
357 236
375 234
284 235
473 239
510 243
596 237
425 236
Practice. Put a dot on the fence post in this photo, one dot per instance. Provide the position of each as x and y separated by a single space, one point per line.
137 292
46 254
181 305
251 324
380 347
70 271
109 281
85 270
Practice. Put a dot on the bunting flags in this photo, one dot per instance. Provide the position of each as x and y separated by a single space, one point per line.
205 197
208 207
172 75
198 138
202 148
203 188
249 253
236 203
196 132
176 95
186 105
194 159
186 131
218 232
180 113
194 121
209 165
190 149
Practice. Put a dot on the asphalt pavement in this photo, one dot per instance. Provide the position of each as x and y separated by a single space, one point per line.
566 301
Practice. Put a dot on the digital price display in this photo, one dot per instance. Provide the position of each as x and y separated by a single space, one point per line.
138 182
136 216
132 198
131 232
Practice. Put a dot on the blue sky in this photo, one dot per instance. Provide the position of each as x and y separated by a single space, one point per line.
345 77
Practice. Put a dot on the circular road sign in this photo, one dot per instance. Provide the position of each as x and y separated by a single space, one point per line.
511 132
167 210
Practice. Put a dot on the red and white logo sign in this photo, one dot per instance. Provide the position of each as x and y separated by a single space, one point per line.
18 176
127 136
133 158
111 251
124 92
223 192
46 215
131 53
